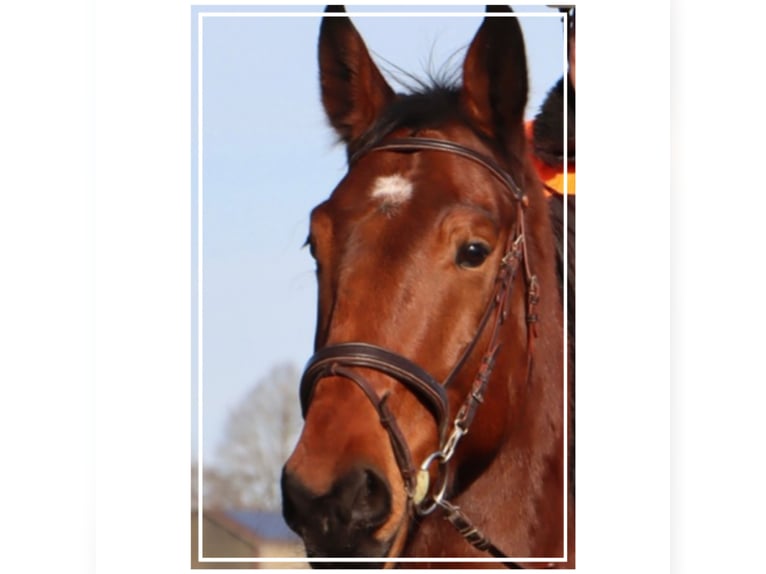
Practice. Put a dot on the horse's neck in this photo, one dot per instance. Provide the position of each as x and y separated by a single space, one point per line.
516 502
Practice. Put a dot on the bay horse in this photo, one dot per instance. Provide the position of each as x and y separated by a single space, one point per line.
434 405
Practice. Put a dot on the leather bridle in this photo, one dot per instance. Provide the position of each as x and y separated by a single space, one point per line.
340 360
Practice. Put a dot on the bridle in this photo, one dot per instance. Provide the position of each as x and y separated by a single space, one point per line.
339 361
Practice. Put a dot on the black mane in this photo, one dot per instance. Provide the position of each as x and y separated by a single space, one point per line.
433 106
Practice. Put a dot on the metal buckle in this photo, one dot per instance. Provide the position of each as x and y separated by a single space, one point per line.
423 479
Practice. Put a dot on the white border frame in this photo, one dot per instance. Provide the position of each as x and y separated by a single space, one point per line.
216 12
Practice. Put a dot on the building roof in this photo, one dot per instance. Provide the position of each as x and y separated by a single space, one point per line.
266 525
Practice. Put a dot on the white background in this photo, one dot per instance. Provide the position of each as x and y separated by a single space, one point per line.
94 295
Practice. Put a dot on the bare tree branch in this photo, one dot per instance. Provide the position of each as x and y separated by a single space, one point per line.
260 434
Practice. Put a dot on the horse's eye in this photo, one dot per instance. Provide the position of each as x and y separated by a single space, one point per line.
312 247
472 254
313 251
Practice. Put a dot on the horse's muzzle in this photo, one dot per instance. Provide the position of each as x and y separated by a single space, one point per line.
342 522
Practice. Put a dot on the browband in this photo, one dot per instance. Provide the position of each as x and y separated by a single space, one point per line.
433 144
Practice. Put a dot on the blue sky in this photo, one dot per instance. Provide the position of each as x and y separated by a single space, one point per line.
268 156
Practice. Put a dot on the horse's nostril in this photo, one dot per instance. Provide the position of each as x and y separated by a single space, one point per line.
372 504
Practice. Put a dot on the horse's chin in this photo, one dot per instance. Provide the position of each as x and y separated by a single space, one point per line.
387 549
361 549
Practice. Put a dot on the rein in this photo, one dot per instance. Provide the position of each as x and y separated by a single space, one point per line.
335 360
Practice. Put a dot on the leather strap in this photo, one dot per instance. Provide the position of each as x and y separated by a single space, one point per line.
433 144
422 384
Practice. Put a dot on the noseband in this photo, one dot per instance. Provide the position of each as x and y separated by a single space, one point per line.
341 360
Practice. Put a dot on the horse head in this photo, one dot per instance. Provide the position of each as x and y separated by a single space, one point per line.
425 253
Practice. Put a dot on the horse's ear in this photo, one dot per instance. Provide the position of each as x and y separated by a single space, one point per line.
495 83
353 90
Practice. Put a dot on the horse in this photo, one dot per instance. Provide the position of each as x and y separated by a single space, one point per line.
434 404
